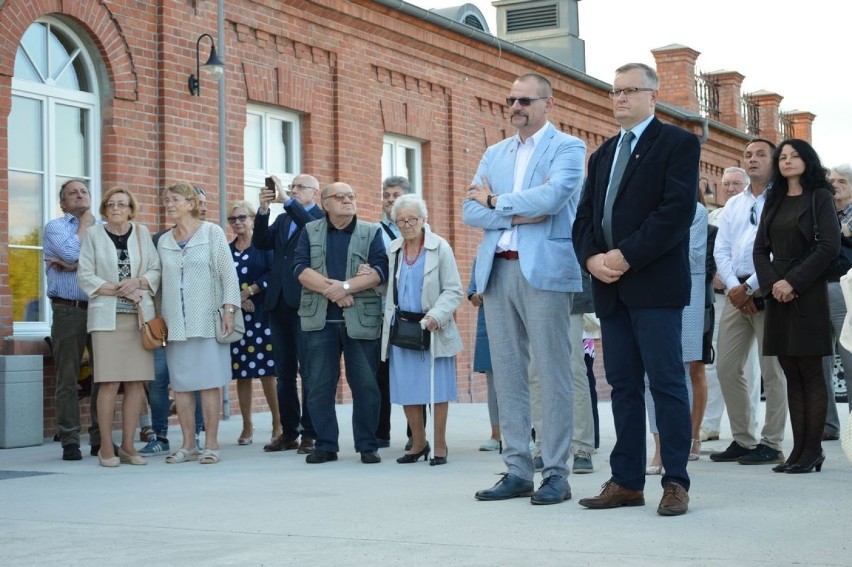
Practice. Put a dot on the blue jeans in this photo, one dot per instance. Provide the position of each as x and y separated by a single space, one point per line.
362 358
158 398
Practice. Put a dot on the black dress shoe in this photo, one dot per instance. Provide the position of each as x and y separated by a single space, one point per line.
409 444
317 457
782 467
414 457
370 457
830 436
281 443
731 454
435 461
71 452
553 490
510 486
383 443
801 468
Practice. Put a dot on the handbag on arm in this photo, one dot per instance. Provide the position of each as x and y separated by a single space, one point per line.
155 333
405 329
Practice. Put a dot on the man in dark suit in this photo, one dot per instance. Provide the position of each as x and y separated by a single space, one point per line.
632 235
282 300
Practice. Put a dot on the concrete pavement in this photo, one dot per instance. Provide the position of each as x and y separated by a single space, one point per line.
257 508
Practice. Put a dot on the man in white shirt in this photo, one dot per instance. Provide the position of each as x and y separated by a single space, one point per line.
742 321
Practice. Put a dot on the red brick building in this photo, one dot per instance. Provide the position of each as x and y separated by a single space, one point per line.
343 90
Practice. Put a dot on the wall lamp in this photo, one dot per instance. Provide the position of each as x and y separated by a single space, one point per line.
214 64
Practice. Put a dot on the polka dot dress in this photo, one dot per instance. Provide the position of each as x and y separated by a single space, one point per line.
251 357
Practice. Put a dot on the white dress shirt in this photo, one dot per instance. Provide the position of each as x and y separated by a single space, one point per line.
735 239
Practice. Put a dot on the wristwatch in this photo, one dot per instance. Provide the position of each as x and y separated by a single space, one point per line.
346 286
748 290
231 309
488 201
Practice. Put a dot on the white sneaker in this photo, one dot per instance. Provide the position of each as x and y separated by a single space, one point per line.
490 445
708 435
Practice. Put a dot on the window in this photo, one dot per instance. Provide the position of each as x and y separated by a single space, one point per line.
403 156
271 146
53 137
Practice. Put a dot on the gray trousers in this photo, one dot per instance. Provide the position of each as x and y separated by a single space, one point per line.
837 311
522 322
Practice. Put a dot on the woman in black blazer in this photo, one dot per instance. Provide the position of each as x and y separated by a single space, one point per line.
798 327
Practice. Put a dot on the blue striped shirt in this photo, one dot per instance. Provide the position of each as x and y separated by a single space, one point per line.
61 241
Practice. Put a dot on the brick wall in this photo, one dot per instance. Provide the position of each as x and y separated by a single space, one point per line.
354 69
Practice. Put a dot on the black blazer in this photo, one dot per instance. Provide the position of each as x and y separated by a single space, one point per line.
282 283
651 217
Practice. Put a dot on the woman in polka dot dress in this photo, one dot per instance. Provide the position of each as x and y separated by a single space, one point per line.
251 357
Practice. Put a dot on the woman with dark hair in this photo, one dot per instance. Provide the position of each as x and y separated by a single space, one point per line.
797 325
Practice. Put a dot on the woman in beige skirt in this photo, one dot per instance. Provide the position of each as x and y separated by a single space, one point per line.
120 271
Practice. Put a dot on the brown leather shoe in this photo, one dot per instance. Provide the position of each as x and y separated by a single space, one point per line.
613 495
675 501
306 446
280 444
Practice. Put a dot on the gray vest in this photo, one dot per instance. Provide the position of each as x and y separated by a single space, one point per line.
364 319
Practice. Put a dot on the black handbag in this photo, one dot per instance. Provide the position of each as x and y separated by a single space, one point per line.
843 262
405 329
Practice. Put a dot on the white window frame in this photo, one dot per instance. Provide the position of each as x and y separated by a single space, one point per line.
397 144
254 178
49 96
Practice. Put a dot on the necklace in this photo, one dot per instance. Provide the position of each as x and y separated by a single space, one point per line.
411 262
120 238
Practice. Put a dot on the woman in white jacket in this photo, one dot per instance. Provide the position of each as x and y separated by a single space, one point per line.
120 271
198 278
426 280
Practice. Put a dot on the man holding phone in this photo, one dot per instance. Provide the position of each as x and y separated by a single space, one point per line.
282 300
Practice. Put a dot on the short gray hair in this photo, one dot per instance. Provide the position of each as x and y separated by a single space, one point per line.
410 200
843 169
651 77
397 181
739 170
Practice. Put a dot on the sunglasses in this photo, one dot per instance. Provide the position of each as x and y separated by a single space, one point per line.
238 218
524 101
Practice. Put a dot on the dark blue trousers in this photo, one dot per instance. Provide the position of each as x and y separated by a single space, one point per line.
638 341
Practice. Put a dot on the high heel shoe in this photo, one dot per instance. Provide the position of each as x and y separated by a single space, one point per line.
816 464
783 467
695 450
439 460
246 440
131 459
112 462
414 457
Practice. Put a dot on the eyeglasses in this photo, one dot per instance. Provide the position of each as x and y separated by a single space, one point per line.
752 216
116 205
173 200
524 100
340 197
412 221
628 92
199 191
299 187
238 218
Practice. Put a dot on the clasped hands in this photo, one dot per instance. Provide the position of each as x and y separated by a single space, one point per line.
741 300
608 267
783 292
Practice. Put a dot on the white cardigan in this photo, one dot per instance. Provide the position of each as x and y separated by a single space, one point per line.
196 273
442 294
99 265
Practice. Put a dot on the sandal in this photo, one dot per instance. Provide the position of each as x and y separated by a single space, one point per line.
209 457
182 455
695 450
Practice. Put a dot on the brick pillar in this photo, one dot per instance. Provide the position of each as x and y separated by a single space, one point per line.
802 123
769 105
676 68
730 98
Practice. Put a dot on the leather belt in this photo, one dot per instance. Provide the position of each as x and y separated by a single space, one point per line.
507 255
71 302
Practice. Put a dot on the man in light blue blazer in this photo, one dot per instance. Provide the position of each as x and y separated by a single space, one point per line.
525 196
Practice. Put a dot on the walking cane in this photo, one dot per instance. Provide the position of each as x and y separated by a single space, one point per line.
432 399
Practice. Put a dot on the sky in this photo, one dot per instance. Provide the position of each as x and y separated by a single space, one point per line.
797 50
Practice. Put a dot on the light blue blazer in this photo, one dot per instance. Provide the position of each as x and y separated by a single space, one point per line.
551 187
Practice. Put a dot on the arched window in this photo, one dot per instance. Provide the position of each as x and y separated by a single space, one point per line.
53 136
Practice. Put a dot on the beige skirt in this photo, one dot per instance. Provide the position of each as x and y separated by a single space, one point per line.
119 356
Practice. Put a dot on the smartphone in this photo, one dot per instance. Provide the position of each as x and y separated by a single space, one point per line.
270 184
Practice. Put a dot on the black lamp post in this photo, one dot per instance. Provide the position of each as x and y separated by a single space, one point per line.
213 64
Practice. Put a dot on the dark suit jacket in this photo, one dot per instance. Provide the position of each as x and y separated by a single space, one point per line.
651 217
282 283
